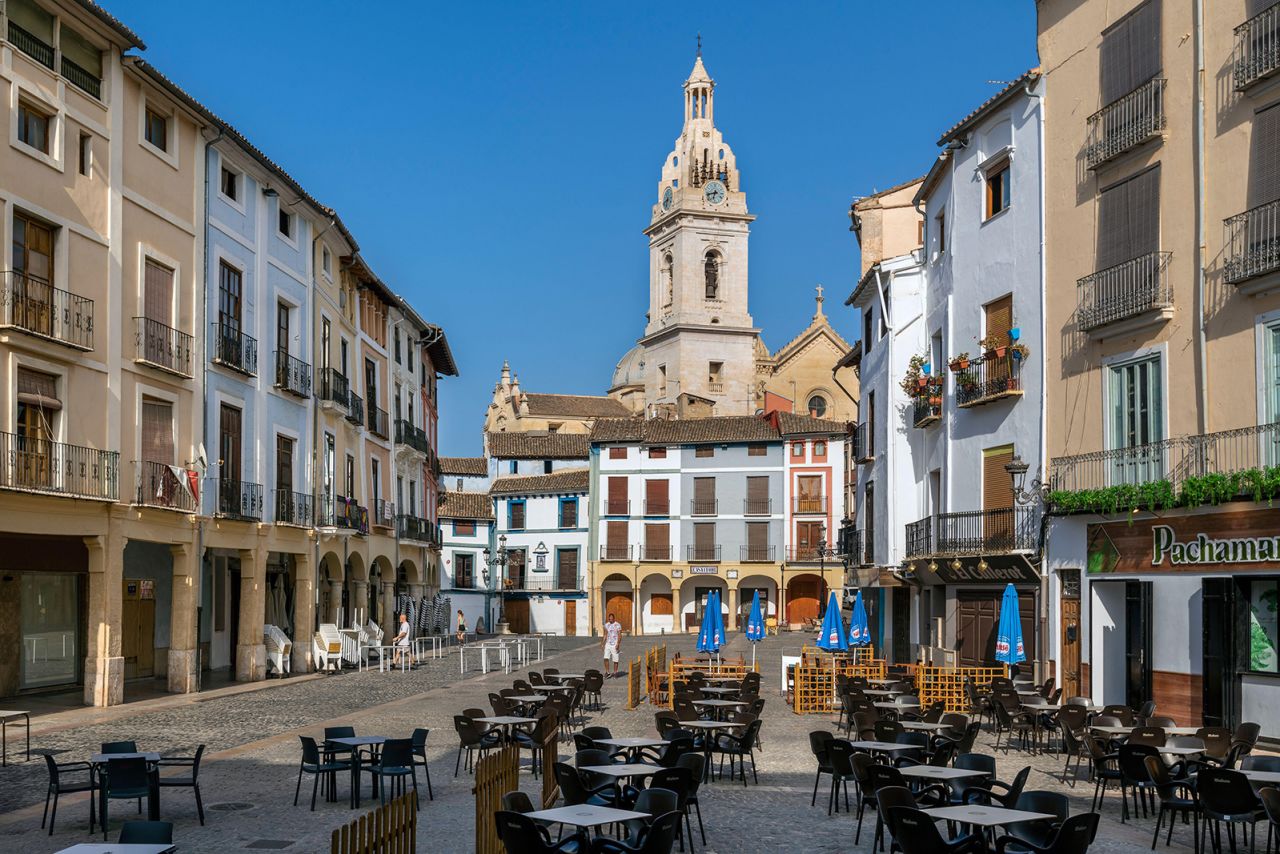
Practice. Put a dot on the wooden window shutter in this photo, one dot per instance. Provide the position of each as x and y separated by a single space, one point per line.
997 485
704 489
704 535
1144 212
617 453
757 535
157 431
38 389
617 489
1130 52
656 496
567 569
157 298
1264 159
757 489
616 534
657 537
1113 226
999 316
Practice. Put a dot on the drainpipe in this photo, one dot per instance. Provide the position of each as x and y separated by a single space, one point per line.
1201 367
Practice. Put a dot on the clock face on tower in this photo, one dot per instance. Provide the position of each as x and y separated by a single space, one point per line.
667 198
714 192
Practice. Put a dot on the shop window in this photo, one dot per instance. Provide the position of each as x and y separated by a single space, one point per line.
1264 626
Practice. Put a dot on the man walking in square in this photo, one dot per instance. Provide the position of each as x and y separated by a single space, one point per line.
612 645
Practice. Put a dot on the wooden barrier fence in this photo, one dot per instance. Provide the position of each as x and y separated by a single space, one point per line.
390 829
679 668
550 755
496 774
635 683
813 682
946 684
655 662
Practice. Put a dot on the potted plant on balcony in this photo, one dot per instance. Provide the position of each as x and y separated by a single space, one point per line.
960 363
968 381
1019 351
916 379
995 345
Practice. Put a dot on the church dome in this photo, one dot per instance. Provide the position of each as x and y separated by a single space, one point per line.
630 369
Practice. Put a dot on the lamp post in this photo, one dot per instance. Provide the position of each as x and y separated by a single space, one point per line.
1038 493
824 551
497 561
1017 470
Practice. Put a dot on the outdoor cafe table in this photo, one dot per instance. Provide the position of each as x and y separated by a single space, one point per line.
118 848
984 816
721 690
569 675
12 716
881 680
1114 731
925 726
153 778
709 726
882 746
506 722
939 774
632 744
896 705
585 816
1259 777
1181 751
555 687
528 698
719 706
355 742
879 692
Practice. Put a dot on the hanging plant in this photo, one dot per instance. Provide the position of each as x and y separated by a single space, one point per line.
960 363
1019 351
916 379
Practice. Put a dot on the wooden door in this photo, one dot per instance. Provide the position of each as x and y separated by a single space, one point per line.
809 488
618 603
978 615
1069 620
900 602
808 536
567 569
997 500
33 281
1137 615
570 618
517 614
804 598
138 631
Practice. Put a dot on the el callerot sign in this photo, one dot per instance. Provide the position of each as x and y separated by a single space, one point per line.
1215 542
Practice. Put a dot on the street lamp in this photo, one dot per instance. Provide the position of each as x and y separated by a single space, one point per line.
497 561
824 551
1017 470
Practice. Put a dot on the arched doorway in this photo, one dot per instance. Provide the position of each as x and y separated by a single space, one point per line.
693 601
618 599
768 597
805 595
331 587
656 605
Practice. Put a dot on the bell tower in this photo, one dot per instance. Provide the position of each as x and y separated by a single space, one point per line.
700 338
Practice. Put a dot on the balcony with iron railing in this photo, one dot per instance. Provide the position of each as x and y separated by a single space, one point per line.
355 409
654 552
850 544
30 44
378 421
334 389
292 375
384 513
809 504
703 506
37 465
975 532
235 350
869 548
160 486
810 554
238 499
702 552
1128 296
757 554
989 378
34 306
412 437
863 452
293 508
616 507
757 506
342 512
610 551
1126 123
1257 53
82 78
1252 248
926 406
162 347
554 580
409 527
657 507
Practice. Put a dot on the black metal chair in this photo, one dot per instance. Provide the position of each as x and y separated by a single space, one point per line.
655 802
592 686
1226 796
884 777
888 730
521 833
1040 832
916 833
59 786
122 780
318 765
395 768
146 832
696 765
973 762
1177 797
818 743
184 781
739 747
679 781
1073 837
658 839
419 740
473 738
119 747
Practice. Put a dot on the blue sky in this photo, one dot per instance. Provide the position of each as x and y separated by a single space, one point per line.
497 162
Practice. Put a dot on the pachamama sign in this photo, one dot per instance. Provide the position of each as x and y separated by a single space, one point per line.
1248 539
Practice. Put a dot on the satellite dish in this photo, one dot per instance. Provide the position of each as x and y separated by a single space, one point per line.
201 460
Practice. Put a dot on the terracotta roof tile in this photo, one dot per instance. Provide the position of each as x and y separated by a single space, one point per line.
964 123
466 466
686 431
538 446
791 424
465 505
563 481
576 405
112 21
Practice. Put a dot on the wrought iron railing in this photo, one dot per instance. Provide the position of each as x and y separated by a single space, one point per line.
334 387
162 485
238 499
1126 122
162 346
617 507
30 44
378 421
920 537
1175 460
989 377
657 507
1128 289
809 504
413 437
82 77
541 582
1252 243
293 508
850 544
33 305
384 513
975 532
862 448
234 349
415 528
703 506
615 552
810 554
342 512
869 547
292 375
355 408
926 408
757 506
1257 54
655 552
706 552
38 465
757 554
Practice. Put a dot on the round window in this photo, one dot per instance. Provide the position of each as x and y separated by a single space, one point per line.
818 406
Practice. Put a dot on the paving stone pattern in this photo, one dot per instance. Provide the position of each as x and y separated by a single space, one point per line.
251 764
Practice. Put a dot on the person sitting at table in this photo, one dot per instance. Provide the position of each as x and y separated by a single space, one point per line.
402 640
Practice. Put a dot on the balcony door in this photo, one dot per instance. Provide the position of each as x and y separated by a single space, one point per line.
229 441
1137 421
808 538
38 407
284 478
809 490
516 561
567 569
33 275
997 500
156 479
157 309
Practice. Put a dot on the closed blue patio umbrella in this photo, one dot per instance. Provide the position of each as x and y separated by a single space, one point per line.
711 634
859 631
833 638
755 625
1009 634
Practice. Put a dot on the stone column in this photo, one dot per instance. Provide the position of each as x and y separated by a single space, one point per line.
389 608
733 609
677 619
335 601
104 661
251 652
359 603
304 613
184 625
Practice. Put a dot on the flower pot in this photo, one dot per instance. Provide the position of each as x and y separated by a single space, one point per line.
935 401
1015 333
1017 354
964 364
926 368
1012 384
999 351
922 381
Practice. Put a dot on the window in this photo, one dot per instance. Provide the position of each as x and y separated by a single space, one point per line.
668 280
757 495
704 541
285 223
38 407
997 189
326 337
715 376
869 523
229 291
568 513
326 260
1136 420
33 126
157 295
229 446
758 547
351 477
155 129
284 468
86 154
546 466
1130 52
513 467
408 361
998 320
920 233
282 328
662 380
617 453
797 450
657 497
705 451
1129 220
328 473
157 433
868 328
464 570
464 527
940 225
704 496
515 515
567 569
375 481
657 541
657 453
230 184
370 382
396 341
819 448
817 406
711 274
757 450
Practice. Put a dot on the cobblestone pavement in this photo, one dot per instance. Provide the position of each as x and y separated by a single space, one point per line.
254 754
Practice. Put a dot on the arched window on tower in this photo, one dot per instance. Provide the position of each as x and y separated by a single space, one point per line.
711 271
817 406
668 281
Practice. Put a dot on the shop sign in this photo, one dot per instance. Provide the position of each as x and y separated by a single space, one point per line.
702 570
969 573
1210 542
